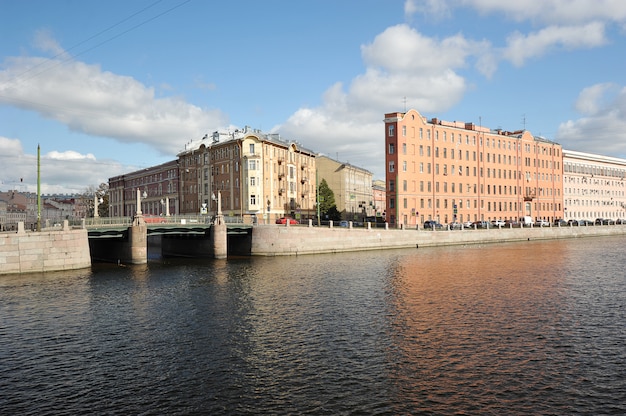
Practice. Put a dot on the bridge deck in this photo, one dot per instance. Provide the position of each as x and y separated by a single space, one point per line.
118 227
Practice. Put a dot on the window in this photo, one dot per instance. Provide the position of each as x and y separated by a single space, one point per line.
404 166
251 148
252 199
404 130
252 181
404 148
252 164
391 130
392 166
392 148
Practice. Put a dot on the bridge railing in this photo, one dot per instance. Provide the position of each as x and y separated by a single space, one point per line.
110 222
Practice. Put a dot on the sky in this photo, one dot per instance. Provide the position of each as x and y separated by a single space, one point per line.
109 87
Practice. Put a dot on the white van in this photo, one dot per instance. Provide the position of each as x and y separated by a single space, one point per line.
527 221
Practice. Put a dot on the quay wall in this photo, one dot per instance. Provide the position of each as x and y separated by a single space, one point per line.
52 249
280 240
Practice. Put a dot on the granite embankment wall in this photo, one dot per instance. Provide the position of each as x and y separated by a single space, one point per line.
53 249
276 240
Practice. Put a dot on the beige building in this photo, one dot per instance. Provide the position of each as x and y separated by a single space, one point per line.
593 186
258 176
351 185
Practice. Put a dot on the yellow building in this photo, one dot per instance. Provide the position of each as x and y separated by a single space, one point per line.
259 176
456 171
351 185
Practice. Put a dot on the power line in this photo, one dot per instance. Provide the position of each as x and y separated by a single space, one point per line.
71 57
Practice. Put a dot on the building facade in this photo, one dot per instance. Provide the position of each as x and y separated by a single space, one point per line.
158 187
380 200
456 171
258 176
593 186
352 187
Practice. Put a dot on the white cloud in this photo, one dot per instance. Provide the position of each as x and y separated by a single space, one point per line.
602 129
522 47
348 122
100 103
437 8
593 100
61 172
550 11
45 42
10 147
69 155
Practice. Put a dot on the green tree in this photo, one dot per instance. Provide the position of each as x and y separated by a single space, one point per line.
327 202
102 193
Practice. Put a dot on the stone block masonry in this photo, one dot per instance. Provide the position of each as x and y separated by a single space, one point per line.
276 240
49 250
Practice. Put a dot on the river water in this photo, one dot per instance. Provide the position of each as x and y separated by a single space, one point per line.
523 328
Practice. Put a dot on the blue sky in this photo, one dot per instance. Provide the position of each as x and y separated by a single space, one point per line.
109 87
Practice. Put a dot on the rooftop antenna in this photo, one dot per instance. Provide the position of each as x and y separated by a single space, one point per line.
524 121
404 99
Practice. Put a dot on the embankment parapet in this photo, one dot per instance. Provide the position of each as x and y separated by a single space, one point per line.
59 248
275 240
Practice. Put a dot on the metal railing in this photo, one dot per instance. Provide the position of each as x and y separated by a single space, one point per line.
112 222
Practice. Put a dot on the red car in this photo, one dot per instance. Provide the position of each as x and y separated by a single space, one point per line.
284 221
154 219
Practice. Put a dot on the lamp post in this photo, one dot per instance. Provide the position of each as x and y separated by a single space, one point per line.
166 203
138 219
96 203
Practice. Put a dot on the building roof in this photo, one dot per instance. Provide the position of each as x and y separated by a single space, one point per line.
220 137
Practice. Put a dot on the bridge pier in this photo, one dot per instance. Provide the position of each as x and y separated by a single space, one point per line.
138 244
219 235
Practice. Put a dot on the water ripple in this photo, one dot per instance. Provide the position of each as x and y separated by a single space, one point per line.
533 328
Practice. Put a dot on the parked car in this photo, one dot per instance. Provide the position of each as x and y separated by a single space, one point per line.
468 224
542 223
482 224
499 223
343 223
585 222
511 223
154 219
432 225
284 220
560 223
573 223
454 225
620 221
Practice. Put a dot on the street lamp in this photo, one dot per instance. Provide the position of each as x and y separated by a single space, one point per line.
138 219
166 203
96 202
